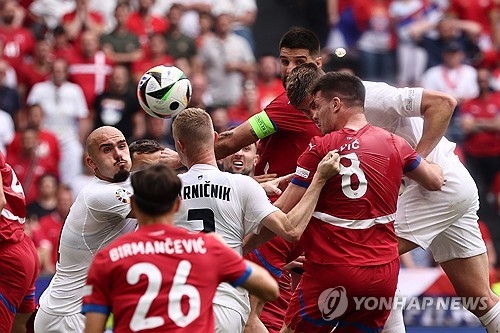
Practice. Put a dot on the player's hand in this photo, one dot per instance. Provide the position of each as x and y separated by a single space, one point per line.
278 185
438 171
170 158
297 263
329 166
265 177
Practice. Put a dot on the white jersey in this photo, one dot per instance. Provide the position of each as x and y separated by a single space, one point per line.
398 111
97 217
233 206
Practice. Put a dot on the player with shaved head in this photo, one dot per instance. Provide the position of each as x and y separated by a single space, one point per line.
99 215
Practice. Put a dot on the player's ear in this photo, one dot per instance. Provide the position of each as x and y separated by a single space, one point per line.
177 204
336 103
319 61
216 136
90 162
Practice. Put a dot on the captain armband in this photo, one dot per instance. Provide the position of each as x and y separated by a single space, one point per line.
262 125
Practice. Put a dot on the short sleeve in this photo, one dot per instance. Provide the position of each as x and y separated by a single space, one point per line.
96 293
108 201
307 164
405 102
256 205
232 268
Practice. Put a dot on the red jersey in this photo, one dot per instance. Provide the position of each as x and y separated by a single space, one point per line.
482 143
13 214
353 224
47 146
16 43
278 153
91 74
30 169
138 26
477 11
162 279
48 232
29 75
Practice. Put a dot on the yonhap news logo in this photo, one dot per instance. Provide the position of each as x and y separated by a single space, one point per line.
334 302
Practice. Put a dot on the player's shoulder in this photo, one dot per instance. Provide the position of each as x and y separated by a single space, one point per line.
281 102
99 190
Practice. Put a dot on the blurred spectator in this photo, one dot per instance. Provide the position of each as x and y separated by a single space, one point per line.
117 106
447 30
38 69
6 130
179 45
199 98
62 46
190 21
454 78
48 14
66 116
82 19
269 85
411 57
347 20
46 200
376 45
486 13
122 46
48 146
244 15
220 118
90 68
46 236
158 130
144 24
495 79
246 107
29 165
107 11
480 118
156 55
16 42
206 23
10 100
228 61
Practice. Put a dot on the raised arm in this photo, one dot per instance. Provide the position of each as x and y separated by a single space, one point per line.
437 109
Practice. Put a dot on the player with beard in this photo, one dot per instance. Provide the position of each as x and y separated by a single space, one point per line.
100 214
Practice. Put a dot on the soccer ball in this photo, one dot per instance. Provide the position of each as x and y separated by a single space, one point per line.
164 91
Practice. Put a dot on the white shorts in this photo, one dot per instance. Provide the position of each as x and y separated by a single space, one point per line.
47 323
228 320
444 221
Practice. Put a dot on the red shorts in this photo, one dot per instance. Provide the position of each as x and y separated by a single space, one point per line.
20 267
329 296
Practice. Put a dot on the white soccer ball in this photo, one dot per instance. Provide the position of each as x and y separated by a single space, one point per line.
164 91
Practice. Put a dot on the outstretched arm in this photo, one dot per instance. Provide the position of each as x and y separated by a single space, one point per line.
231 141
437 109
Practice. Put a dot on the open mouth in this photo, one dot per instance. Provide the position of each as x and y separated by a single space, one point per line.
238 163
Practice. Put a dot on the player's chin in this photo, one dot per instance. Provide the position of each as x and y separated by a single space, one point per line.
121 175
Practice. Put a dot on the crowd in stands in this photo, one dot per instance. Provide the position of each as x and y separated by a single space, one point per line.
70 66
